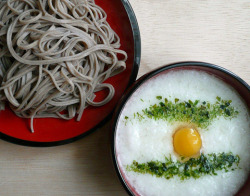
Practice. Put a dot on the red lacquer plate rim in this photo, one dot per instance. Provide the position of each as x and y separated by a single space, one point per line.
232 79
132 78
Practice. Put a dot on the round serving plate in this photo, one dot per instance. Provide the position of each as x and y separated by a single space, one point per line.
51 132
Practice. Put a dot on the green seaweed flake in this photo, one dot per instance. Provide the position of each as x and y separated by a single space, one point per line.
197 112
159 97
193 168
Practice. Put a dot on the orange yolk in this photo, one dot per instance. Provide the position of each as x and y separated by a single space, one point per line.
187 142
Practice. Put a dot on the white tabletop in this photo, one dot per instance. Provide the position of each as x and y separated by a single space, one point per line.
171 31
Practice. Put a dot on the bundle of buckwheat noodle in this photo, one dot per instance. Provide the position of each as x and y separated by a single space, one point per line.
55 54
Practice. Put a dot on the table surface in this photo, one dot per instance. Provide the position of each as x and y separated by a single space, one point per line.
171 31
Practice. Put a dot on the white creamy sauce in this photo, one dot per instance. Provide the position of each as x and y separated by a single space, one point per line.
150 139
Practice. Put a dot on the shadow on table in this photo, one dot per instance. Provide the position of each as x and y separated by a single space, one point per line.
94 163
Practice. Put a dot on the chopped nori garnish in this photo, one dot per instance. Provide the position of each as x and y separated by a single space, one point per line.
192 168
201 113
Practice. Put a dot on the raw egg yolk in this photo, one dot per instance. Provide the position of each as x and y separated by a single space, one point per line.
187 142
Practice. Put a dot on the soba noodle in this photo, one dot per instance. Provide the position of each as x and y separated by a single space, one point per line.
55 54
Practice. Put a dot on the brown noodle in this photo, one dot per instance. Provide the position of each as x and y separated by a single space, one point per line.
55 54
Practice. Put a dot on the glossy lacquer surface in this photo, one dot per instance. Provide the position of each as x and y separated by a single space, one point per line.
49 131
